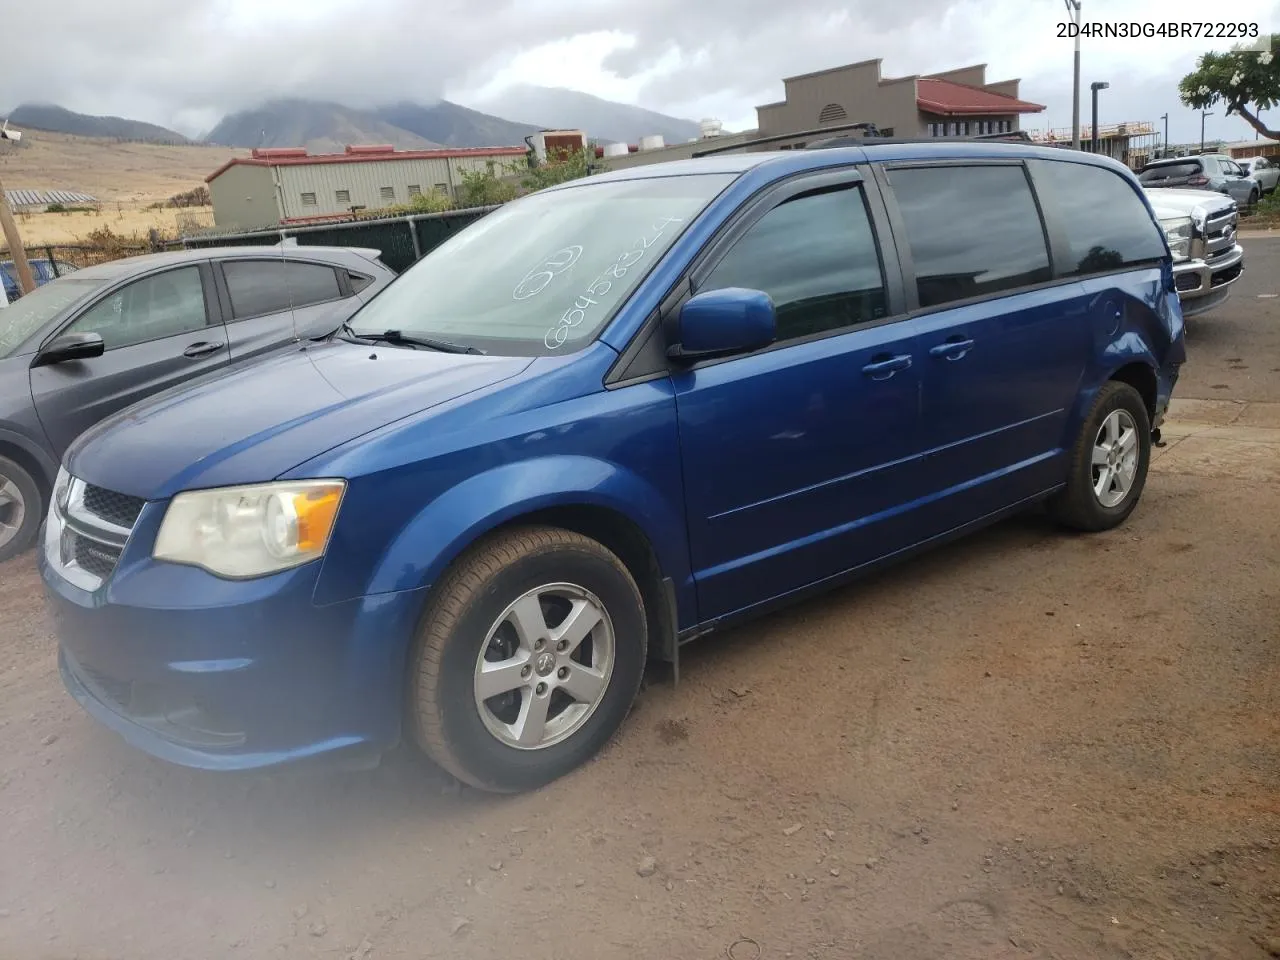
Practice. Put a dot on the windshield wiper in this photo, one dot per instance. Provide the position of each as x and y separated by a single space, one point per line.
400 339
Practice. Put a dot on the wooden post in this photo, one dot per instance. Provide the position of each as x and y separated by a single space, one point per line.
25 281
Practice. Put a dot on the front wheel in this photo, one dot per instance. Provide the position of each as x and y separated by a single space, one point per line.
528 659
21 509
1109 462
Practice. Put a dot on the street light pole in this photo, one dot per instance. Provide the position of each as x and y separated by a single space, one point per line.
1073 11
1203 114
1094 88
1165 118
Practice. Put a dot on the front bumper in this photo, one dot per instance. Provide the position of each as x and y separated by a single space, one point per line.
1205 284
225 675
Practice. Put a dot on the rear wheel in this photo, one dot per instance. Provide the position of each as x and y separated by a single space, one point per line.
1109 462
21 508
528 660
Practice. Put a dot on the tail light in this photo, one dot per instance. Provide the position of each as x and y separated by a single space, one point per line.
1197 181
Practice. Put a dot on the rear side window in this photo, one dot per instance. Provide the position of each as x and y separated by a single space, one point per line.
972 231
358 281
1108 226
816 256
269 286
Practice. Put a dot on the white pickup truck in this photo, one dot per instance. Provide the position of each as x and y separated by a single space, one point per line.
1201 227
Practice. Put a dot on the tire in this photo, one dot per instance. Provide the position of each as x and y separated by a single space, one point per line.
1080 506
1253 199
470 621
21 509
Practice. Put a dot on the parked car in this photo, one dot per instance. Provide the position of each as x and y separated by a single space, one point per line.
1220 174
1201 229
1265 171
607 418
42 271
82 347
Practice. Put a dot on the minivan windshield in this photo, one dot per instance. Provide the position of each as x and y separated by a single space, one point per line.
543 274
23 318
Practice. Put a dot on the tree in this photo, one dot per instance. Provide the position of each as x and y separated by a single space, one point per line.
1247 82
483 188
565 165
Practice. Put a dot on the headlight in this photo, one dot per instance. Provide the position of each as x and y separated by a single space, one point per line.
61 489
1178 231
242 532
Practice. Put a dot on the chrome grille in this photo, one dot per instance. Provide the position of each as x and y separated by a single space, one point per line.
1220 233
97 558
87 530
118 508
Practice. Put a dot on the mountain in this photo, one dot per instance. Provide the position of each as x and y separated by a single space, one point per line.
455 125
46 116
601 119
319 126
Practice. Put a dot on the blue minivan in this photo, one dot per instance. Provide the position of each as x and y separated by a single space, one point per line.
601 421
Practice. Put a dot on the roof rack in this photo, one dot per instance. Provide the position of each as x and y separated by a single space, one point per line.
1013 136
868 129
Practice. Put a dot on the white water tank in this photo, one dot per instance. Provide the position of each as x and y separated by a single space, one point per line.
652 142
616 150
711 128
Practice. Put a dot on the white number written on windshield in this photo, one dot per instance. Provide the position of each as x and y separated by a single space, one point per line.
537 279
557 335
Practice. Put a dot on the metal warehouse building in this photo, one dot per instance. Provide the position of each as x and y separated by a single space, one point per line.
286 185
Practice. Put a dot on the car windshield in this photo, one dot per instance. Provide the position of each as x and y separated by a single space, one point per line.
541 275
21 319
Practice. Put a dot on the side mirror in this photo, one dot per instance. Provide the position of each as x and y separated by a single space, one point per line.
71 346
723 322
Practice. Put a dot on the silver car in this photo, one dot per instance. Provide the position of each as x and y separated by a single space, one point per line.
1208 171
1265 170
79 348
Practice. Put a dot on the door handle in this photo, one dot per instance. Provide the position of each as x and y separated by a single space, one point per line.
883 366
201 349
951 349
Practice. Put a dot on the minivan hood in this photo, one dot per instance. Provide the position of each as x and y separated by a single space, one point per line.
252 424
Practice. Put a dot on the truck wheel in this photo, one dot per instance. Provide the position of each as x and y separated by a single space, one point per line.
528 658
1109 462
21 509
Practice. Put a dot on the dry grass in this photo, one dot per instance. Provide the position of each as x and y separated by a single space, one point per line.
125 177
126 220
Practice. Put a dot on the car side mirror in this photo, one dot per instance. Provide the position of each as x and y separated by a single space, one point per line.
724 322
71 346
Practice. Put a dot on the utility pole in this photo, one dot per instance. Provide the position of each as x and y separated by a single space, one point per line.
1093 89
26 282
1165 151
1073 11
1203 114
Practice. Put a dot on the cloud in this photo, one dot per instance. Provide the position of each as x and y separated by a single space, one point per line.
186 63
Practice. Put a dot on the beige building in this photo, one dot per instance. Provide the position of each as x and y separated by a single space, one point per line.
955 103
286 185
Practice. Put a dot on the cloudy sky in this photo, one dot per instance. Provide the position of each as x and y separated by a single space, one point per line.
184 63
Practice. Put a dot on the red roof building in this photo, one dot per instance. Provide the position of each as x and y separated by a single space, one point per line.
276 185
953 103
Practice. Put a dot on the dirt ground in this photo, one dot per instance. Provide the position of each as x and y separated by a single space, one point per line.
1025 745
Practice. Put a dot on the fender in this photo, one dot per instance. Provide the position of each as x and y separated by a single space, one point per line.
451 522
48 465
1135 316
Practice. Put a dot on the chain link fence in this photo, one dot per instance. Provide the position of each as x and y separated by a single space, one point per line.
78 255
